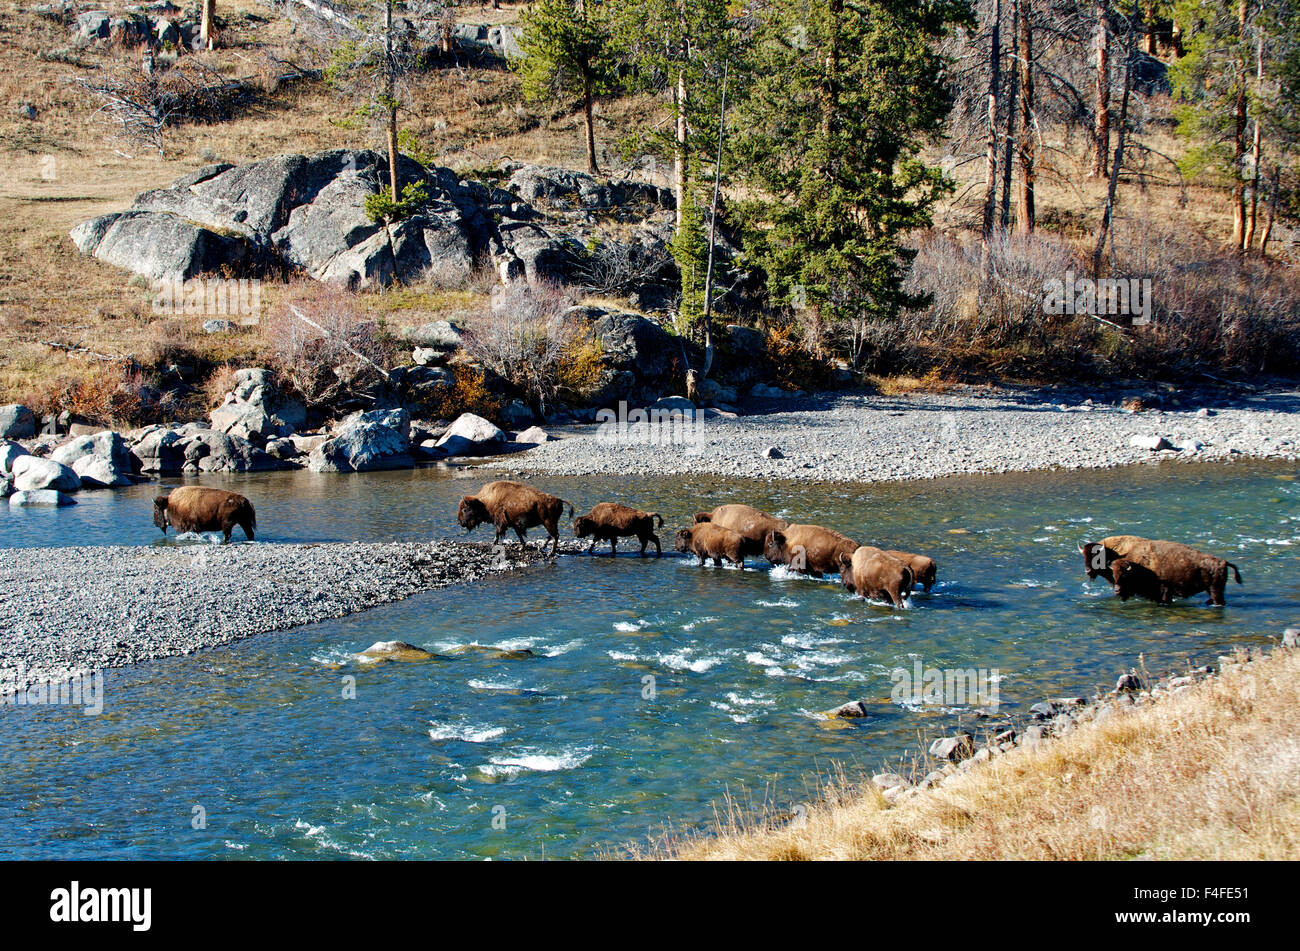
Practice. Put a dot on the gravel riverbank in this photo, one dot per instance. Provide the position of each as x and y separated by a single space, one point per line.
71 610
925 436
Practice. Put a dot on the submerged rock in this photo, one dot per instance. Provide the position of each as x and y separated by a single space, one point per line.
394 650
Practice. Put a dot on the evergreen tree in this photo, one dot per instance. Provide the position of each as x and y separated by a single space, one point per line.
843 97
568 53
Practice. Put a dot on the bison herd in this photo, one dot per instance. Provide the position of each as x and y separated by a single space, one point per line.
1137 567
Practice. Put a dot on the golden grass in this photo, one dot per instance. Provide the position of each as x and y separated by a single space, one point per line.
1212 772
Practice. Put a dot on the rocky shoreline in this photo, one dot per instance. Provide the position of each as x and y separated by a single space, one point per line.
87 609
925 436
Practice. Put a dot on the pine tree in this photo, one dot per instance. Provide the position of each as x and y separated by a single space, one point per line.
568 53
843 97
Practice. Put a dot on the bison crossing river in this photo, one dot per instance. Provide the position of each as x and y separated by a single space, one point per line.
1137 567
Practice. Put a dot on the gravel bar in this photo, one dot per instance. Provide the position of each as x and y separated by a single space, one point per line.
926 436
65 611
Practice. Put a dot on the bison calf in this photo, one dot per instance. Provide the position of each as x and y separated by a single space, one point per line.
513 505
810 549
193 508
924 570
610 521
746 521
1135 581
876 574
707 541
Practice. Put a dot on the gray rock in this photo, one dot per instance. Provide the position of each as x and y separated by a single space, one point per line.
436 335
33 474
1128 683
712 392
1043 711
516 414
772 452
674 405
854 709
1150 442
207 450
40 497
217 326
761 391
9 451
159 246
471 435
888 780
953 748
157 449
283 448
364 442
1291 637
17 422
533 435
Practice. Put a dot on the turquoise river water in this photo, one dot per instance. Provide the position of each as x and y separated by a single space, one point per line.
655 688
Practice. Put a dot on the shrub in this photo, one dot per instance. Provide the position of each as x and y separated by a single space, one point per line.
469 394
110 395
381 208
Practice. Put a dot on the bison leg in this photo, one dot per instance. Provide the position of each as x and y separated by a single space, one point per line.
613 545
248 529
592 546
658 551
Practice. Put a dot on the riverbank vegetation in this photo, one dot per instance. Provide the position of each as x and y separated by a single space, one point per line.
1209 772
884 188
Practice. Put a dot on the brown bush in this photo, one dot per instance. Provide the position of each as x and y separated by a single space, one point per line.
110 395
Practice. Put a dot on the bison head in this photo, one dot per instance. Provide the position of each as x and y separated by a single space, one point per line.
926 578
583 526
160 512
846 571
703 517
471 513
682 541
1097 560
774 547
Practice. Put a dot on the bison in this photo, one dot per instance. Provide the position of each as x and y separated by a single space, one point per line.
707 541
513 505
746 521
923 568
1181 571
610 521
193 508
1133 580
876 574
810 549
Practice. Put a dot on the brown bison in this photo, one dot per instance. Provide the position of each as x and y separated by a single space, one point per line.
810 549
876 574
746 521
1136 581
193 508
923 568
513 505
707 541
1180 570
610 521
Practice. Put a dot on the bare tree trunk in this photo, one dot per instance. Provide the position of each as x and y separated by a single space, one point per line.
1101 128
1239 143
1026 157
713 231
1108 212
679 153
1272 210
1012 95
1256 156
991 151
208 10
591 126
390 67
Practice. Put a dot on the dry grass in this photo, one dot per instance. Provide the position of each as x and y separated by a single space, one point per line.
1210 773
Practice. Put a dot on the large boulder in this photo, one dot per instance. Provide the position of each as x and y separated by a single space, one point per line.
206 450
156 449
9 451
641 359
102 460
256 410
380 439
40 497
32 473
471 435
159 246
17 422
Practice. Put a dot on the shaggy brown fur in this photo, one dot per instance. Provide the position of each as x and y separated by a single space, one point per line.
194 508
513 505
707 541
808 548
746 521
876 574
1180 570
610 521
924 569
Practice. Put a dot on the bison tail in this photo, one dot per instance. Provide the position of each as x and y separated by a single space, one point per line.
570 505
659 517
1234 571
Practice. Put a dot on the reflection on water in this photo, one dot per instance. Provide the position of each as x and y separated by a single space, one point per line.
569 746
